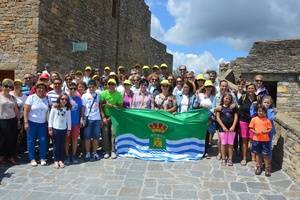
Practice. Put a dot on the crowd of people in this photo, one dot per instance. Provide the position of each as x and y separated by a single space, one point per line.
59 110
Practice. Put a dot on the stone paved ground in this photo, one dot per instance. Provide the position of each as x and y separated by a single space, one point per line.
126 178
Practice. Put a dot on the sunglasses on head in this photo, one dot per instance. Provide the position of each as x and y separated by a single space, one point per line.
9 86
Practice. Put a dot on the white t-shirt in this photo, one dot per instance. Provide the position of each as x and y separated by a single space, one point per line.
184 103
87 100
60 119
38 108
204 101
20 101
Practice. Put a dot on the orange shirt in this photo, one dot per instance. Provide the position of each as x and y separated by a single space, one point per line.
260 125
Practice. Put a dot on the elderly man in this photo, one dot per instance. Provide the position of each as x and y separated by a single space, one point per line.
26 87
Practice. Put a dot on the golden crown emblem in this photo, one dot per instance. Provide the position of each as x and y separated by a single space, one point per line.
157 127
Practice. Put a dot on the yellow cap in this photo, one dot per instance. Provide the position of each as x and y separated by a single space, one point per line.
112 74
121 67
107 68
18 81
155 67
88 68
95 76
146 67
164 65
128 82
208 83
78 73
200 77
164 82
111 80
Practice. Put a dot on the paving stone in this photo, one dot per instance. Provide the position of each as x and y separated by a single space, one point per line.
238 187
215 184
183 194
126 191
95 190
164 190
274 197
148 192
204 195
218 173
259 186
136 183
220 197
284 184
247 196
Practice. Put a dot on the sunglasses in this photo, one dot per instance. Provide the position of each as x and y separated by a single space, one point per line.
72 88
68 79
9 86
111 84
182 69
56 83
165 86
258 81
27 78
64 99
154 79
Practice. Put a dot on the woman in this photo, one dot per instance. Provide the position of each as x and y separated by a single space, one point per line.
199 83
143 99
128 94
245 103
21 98
81 88
185 100
9 118
178 88
77 119
35 122
153 80
165 100
136 83
172 80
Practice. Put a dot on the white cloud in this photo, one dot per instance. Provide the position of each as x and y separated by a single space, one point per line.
157 30
195 62
239 22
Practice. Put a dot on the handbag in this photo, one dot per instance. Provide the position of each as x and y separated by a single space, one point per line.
86 120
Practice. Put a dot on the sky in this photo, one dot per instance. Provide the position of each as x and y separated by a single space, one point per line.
203 33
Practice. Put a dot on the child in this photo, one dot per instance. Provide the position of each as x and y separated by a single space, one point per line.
60 126
227 119
261 127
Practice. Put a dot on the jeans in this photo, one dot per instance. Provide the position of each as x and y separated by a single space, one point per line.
37 131
59 137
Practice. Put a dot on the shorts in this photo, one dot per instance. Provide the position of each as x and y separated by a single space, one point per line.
75 132
259 147
245 131
93 130
227 137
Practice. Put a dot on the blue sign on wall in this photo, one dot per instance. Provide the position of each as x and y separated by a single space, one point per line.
79 46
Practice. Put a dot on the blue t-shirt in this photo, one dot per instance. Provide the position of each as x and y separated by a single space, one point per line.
76 103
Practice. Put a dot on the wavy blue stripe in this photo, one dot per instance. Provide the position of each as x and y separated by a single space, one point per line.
151 150
133 140
186 144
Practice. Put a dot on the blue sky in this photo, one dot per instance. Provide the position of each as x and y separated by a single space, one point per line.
201 33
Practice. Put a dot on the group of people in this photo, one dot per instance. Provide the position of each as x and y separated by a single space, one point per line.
59 110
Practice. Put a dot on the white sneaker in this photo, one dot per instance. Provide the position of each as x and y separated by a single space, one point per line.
87 156
56 165
96 156
113 155
106 155
33 163
61 164
43 162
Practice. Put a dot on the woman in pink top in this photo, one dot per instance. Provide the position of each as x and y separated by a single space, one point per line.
143 99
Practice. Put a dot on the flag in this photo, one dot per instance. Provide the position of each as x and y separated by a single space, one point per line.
159 135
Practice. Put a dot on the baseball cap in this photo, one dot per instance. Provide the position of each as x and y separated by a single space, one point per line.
111 80
200 77
164 65
88 68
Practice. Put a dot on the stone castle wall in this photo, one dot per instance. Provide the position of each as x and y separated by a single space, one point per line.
19 35
117 32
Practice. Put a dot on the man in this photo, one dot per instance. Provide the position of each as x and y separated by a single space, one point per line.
109 98
164 71
106 72
56 92
212 74
145 71
121 71
44 78
182 72
155 69
26 87
87 74
261 90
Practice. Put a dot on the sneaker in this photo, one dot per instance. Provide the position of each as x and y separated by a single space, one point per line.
61 164
75 160
56 165
43 162
96 156
33 163
87 156
106 155
113 155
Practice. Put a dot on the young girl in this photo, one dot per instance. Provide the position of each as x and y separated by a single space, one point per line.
261 127
59 126
227 119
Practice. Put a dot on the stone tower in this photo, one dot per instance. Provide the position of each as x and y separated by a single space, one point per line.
70 34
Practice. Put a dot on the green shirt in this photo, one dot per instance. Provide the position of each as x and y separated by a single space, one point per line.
114 98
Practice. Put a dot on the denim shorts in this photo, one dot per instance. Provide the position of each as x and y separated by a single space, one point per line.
259 147
93 130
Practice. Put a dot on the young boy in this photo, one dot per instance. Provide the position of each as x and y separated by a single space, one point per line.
261 126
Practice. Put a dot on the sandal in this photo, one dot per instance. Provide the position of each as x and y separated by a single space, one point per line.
268 172
258 170
223 162
229 162
219 156
244 162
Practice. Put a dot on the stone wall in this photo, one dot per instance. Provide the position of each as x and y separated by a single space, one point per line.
68 21
286 151
39 32
18 35
288 97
